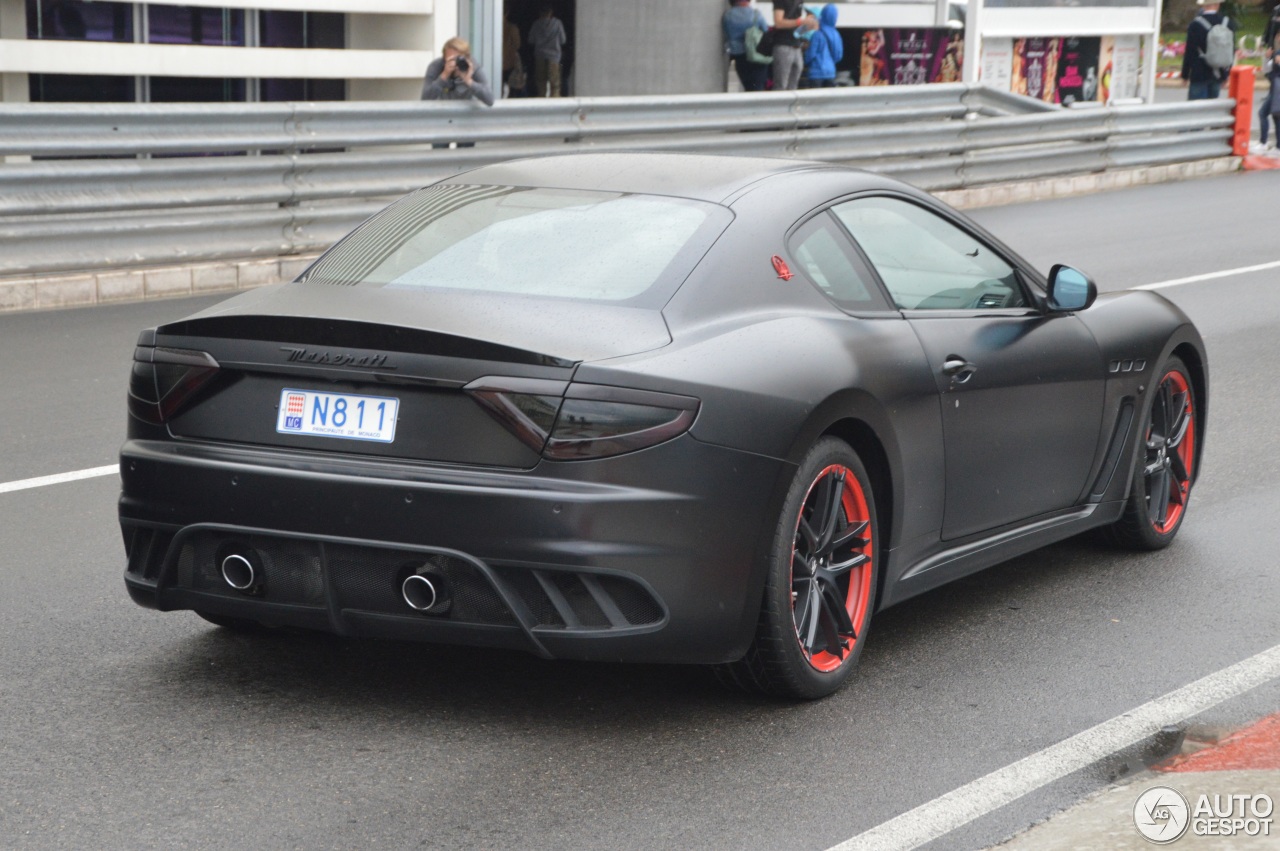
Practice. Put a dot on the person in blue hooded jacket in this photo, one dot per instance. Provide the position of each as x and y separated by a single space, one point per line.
825 49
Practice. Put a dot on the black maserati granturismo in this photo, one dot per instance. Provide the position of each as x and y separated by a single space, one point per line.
649 407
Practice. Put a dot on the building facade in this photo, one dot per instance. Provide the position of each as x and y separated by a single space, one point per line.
1063 51
77 50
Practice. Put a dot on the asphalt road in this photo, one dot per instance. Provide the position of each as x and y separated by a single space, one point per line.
124 728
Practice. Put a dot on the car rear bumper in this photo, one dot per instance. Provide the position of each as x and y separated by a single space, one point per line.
560 561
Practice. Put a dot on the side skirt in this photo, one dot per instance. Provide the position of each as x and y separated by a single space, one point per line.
954 562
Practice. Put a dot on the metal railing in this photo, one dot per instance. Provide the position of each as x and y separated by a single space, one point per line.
96 186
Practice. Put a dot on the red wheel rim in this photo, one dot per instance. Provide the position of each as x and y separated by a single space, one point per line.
1170 452
831 568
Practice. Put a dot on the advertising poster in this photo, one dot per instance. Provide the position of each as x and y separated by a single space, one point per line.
997 64
1126 67
873 70
904 57
1078 70
1106 67
1035 67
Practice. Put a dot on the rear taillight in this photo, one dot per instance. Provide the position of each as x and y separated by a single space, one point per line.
566 422
525 406
163 380
618 421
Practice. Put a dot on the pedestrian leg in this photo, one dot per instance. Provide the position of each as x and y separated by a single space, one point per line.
553 78
540 78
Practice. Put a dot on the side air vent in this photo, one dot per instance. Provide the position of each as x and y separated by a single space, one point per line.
1119 439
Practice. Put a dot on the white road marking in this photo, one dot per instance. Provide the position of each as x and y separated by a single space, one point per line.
960 806
91 473
1209 276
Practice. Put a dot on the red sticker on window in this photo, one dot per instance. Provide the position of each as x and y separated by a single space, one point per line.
780 266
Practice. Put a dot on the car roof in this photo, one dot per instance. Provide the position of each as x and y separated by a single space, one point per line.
703 177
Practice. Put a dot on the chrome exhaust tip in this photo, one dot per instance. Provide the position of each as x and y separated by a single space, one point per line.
238 572
419 592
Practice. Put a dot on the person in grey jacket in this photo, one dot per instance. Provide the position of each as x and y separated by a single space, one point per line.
548 38
456 75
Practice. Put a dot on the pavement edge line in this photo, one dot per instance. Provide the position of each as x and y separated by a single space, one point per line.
959 807
42 481
1209 276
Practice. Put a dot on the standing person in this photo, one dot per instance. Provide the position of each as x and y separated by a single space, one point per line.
1271 31
547 37
1211 39
1269 110
790 20
826 49
511 57
737 19
456 76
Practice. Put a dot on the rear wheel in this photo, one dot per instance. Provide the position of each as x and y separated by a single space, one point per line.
821 582
1165 467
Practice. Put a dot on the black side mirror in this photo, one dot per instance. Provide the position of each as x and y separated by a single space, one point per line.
1070 289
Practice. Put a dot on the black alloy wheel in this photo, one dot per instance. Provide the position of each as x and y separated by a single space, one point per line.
1165 467
820 588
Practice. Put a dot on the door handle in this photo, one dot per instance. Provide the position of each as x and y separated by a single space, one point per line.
958 368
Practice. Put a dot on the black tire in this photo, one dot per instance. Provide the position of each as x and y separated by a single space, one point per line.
1165 467
813 621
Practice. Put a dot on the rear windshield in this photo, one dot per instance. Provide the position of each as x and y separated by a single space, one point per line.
598 246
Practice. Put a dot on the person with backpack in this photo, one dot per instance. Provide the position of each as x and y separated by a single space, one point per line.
741 23
1210 53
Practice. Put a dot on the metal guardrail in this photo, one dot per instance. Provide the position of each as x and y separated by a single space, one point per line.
136 184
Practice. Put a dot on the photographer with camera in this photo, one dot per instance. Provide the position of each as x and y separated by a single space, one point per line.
456 75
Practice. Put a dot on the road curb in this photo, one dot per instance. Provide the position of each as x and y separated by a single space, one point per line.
123 286
1213 772
1000 194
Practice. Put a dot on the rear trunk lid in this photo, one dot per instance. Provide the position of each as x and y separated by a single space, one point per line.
324 348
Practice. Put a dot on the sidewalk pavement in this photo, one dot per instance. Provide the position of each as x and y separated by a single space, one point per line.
1218 794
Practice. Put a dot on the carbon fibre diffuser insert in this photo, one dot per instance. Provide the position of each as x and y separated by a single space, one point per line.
348 575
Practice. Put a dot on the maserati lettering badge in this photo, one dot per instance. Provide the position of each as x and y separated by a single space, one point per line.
337 359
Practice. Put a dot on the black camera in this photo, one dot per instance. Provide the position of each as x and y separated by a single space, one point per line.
462 64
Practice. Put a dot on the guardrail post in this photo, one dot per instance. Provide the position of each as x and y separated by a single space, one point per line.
1240 88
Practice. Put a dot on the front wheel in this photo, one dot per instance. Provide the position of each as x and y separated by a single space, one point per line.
820 587
1165 467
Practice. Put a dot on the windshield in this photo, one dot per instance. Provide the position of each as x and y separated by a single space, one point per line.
599 246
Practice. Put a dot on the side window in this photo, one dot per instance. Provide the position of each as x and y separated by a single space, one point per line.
829 260
925 261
